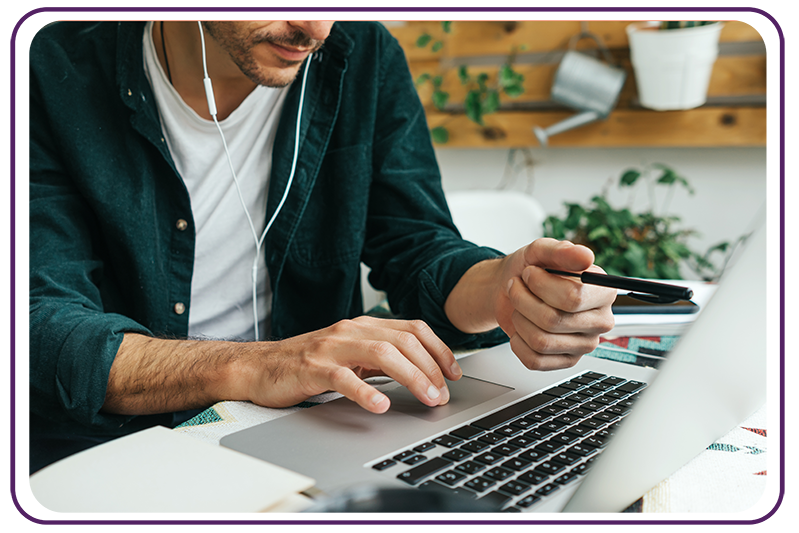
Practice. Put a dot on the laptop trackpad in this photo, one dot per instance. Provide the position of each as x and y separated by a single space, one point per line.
464 394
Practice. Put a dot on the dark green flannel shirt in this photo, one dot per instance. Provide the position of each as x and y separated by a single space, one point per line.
108 257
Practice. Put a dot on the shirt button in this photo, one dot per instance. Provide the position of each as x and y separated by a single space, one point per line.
181 224
180 308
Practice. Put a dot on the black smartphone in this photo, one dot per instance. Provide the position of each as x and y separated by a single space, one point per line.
625 305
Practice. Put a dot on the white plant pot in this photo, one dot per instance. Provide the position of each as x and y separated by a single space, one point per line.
673 67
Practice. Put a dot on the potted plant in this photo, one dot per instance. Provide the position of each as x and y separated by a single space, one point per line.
646 244
673 61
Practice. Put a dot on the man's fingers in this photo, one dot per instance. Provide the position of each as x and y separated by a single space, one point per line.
537 361
347 383
561 255
575 308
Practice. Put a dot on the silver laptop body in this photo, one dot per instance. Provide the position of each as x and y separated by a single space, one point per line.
713 379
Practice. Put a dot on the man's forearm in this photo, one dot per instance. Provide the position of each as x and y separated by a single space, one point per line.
151 375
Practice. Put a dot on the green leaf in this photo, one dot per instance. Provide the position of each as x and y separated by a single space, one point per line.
423 39
514 90
473 108
463 74
440 99
491 102
482 78
667 178
423 78
440 135
446 26
438 45
576 212
437 81
629 177
598 233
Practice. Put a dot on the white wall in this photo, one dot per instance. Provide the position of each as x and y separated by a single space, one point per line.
730 183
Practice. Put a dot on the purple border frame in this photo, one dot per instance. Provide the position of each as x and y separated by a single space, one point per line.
22 19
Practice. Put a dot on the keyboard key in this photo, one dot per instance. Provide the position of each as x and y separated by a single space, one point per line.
592 423
571 385
508 431
480 484
583 380
549 447
538 416
565 458
539 433
517 464
522 441
503 416
632 386
471 467
593 406
558 392
450 478
605 416
553 409
382 465
496 499
466 432
404 455
523 423
489 458
582 450
550 468
527 501
491 438
564 438
415 459
456 455
595 442
448 441
426 469
474 446
505 449
613 380
424 447
533 478
566 478
438 487
532 455
499 473
547 489
579 431
515 488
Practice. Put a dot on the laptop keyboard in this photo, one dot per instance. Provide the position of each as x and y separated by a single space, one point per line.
518 456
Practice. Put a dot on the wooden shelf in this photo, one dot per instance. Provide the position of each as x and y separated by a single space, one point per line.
737 86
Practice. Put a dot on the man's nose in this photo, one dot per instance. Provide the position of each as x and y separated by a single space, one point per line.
315 29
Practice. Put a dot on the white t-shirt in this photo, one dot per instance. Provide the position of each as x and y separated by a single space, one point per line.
221 285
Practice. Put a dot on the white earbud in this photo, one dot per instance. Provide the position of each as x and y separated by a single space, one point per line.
209 95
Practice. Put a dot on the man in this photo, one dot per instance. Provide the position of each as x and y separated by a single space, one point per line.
143 241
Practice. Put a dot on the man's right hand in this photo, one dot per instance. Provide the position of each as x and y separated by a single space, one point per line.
158 375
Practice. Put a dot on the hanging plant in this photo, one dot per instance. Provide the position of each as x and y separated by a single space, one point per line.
481 98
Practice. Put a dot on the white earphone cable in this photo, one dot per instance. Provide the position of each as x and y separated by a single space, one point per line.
209 94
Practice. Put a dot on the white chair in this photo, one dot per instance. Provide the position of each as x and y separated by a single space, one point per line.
503 220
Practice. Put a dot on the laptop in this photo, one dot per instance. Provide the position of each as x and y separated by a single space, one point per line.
592 438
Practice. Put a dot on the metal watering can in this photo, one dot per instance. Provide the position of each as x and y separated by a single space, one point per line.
586 84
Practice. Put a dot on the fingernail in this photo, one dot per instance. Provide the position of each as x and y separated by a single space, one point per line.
525 274
510 284
378 398
433 393
456 369
444 395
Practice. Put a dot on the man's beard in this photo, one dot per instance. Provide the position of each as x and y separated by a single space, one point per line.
240 50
